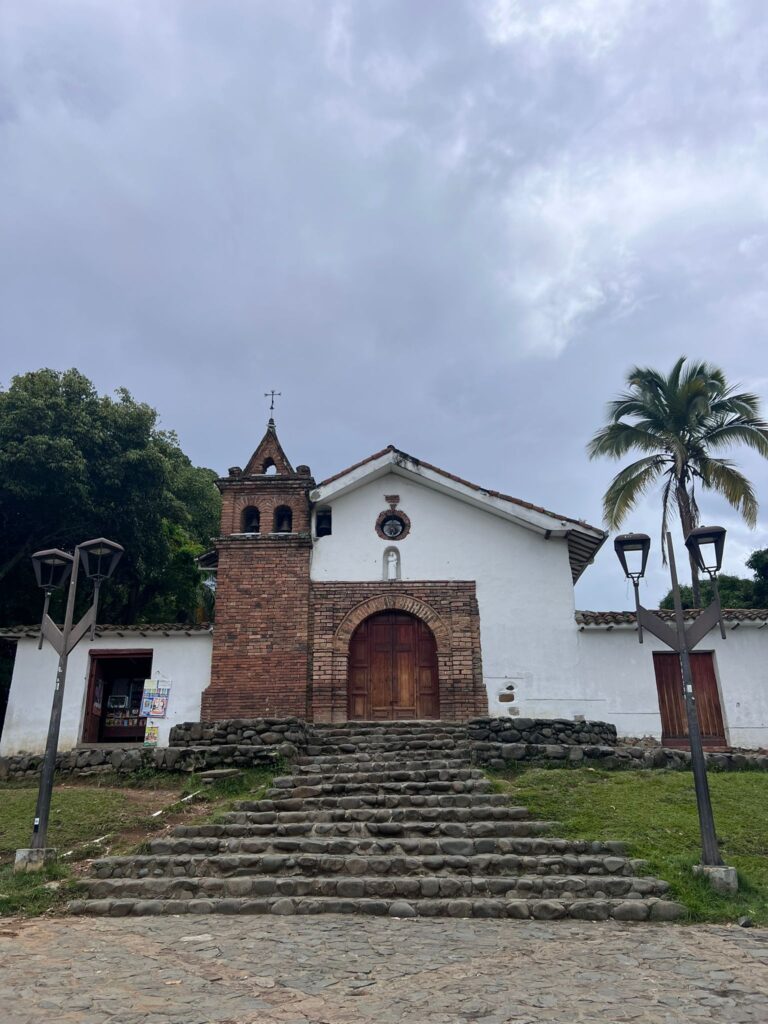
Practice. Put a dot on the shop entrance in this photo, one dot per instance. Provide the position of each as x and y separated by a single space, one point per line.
113 701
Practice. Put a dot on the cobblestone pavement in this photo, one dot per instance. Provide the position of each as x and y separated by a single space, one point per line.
334 970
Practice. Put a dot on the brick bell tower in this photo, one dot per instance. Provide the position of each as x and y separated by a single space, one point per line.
261 632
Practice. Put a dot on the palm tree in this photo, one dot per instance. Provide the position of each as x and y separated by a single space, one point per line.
679 422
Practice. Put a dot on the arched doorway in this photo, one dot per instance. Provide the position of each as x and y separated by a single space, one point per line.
393 669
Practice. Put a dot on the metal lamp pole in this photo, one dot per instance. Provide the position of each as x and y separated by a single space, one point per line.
100 557
43 808
682 640
710 853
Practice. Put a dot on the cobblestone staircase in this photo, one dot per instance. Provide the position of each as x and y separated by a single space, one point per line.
379 818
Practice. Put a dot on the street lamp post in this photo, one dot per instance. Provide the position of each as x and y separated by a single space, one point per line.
630 548
53 568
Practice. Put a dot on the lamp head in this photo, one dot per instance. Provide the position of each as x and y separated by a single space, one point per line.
637 546
100 557
705 545
52 568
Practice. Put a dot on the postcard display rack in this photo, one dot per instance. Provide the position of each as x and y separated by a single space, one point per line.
154 706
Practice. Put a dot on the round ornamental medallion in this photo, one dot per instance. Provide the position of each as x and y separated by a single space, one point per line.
393 525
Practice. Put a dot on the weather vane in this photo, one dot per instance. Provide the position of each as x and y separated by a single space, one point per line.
272 395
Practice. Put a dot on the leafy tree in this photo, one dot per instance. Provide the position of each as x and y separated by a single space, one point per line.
758 563
75 465
735 592
679 422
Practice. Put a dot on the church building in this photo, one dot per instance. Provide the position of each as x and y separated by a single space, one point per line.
391 590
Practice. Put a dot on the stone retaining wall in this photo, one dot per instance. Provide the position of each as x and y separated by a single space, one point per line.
609 757
247 732
96 761
493 742
194 746
486 735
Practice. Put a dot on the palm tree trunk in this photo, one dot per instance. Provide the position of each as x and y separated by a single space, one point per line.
687 520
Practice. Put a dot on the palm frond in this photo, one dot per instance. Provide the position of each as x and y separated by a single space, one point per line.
743 403
722 476
752 432
627 486
616 439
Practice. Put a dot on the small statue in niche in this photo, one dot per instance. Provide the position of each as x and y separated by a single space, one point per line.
392 565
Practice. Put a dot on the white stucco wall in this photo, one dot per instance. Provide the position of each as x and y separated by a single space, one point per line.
617 676
183 660
524 586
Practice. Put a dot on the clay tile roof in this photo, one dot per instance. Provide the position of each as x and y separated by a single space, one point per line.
458 480
588 618
143 629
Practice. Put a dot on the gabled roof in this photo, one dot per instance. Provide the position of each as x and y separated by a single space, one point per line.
583 540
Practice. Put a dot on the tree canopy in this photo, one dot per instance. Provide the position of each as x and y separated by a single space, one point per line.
735 591
680 423
75 465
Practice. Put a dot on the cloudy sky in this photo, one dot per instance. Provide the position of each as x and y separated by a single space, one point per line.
450 225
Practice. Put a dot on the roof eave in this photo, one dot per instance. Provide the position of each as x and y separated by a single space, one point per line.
391 460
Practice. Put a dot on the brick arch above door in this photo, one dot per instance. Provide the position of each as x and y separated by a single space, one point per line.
449 608
391 603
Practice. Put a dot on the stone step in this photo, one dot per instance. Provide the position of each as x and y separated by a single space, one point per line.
384 887
382 787
373 777
376 799
352 763
573 853
377 745
421 815
451 857
652 909
390 727
382 829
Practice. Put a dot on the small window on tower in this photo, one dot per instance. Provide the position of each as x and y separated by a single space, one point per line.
250 522
323 523
283 519
269 468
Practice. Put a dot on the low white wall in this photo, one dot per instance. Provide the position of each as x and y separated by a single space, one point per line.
617 679
183 660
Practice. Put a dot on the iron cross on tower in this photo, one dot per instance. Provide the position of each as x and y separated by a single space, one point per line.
271 395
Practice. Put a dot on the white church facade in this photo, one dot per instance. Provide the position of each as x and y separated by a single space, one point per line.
392 590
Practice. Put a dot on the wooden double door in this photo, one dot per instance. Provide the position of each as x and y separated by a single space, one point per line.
674 721
393 669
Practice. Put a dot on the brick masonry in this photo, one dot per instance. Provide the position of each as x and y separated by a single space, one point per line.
260 664
448 608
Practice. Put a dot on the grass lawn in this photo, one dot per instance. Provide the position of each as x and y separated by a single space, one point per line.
84 812
654 812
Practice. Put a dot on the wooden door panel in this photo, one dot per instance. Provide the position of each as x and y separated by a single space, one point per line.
393 669
669 684
404 682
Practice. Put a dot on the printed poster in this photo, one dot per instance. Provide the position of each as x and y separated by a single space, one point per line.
151 734
154 700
